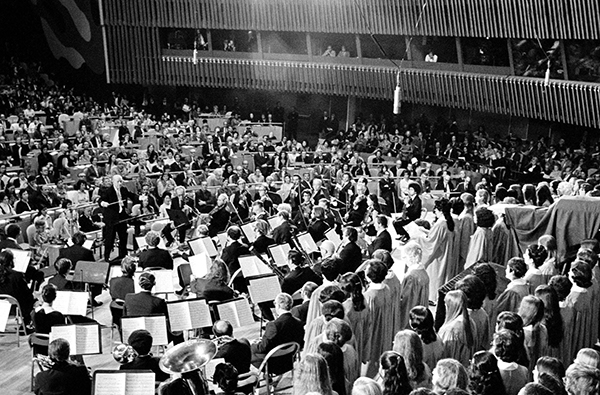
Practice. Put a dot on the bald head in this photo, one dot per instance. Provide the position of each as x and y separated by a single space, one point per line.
327 248
222 328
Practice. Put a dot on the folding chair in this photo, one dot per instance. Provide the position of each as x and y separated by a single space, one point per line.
116 311
36 341
283 352
18 317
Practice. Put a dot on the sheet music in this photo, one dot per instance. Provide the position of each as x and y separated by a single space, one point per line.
111 384
66 332
21 259
89 244
190 314
71 303
237 312
253 266
140 383
4 313
209 246
222 237
163 278
264 289
414 230
200 264
275 221
280 254
141 241
130 324
157 326
211 366
307 243
332 236
248 230
88 339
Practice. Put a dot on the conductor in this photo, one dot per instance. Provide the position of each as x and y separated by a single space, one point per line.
114 202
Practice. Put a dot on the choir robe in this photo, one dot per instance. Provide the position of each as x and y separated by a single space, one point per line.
548 269
351 366
455 341
380 331
584 330
490 308
564 348
438 254
466 228
395 287
535 278
313 330
360 322
415 292
481 248
454 266
533 348
314 306
500 242
482 322
433 352
510 299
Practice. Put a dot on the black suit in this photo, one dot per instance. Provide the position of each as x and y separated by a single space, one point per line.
231 253
286 328
14 285
317 230
76 253
301 312
294 280
31 273
383 241
112 218
142 304
262 243
8 243
412 213
156 257
263 162
236 352
219 222
146 362
351 257
283 233
63 378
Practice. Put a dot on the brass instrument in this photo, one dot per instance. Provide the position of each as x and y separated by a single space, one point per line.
188 356
124 353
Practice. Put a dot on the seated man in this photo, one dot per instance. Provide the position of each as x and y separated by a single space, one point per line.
64 377
154 256
300 273
141 341
301 310
59 280
282 330
234 351
77 252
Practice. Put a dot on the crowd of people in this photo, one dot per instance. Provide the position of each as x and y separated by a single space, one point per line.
367 310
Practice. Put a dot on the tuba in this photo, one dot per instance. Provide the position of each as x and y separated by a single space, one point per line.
123 353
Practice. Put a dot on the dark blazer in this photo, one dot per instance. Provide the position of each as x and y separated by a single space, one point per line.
111 213
283 233
211 289
440 186
231 253
262 243
284 329
146 362
156 257
44 322
382 241
295 279
236 352
14 285
9 244
22 207
120 287
60 282
413 209
143 303
65 379
76 253
301 312
219 222
351 257
317 230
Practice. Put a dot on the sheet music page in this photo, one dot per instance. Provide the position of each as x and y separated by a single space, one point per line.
157 326
414 230
333 237
88 339
244 312
140 383
4 313
89 244
141 241
280 254
222 237
209 246
264 289
275 221
196 246
62 302
67 332
228 312
262 267
307 242
248 230
111 384
78 303
211 366
21 259
179 316
164 281
129 325
248 265
200 314
200 264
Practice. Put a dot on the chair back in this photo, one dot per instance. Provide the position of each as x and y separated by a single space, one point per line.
20 322
233 277
282 359
30 232
184 272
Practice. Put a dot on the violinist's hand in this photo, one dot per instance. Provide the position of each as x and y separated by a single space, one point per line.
104 204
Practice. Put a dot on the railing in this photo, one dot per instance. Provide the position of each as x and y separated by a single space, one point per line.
556 19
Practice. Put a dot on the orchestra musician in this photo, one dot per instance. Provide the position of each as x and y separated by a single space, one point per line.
318 227
411 210
241 200
183 203
345 191
219 216
262 242
264 198
318 191
304 211
356 215
114 202
283 233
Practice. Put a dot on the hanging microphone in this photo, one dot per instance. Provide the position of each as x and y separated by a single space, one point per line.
397 95
547 76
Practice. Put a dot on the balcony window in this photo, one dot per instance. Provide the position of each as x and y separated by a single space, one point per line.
485 52
583 60
394 46
341 44
531 58
443 49
234 40
284 43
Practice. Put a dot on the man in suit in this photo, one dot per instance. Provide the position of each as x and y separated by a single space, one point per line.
299 275
262 160
350 253
63 377
77 252
445 183
301 311
232 252
282 330
283 233
154 256
411 212
383 240
181 202
234 351
141 341
43 178
114 202
220 216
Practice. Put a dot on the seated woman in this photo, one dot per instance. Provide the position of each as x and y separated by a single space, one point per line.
214 286
40 237
45 317
13 283
64 377
121 286
262 242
